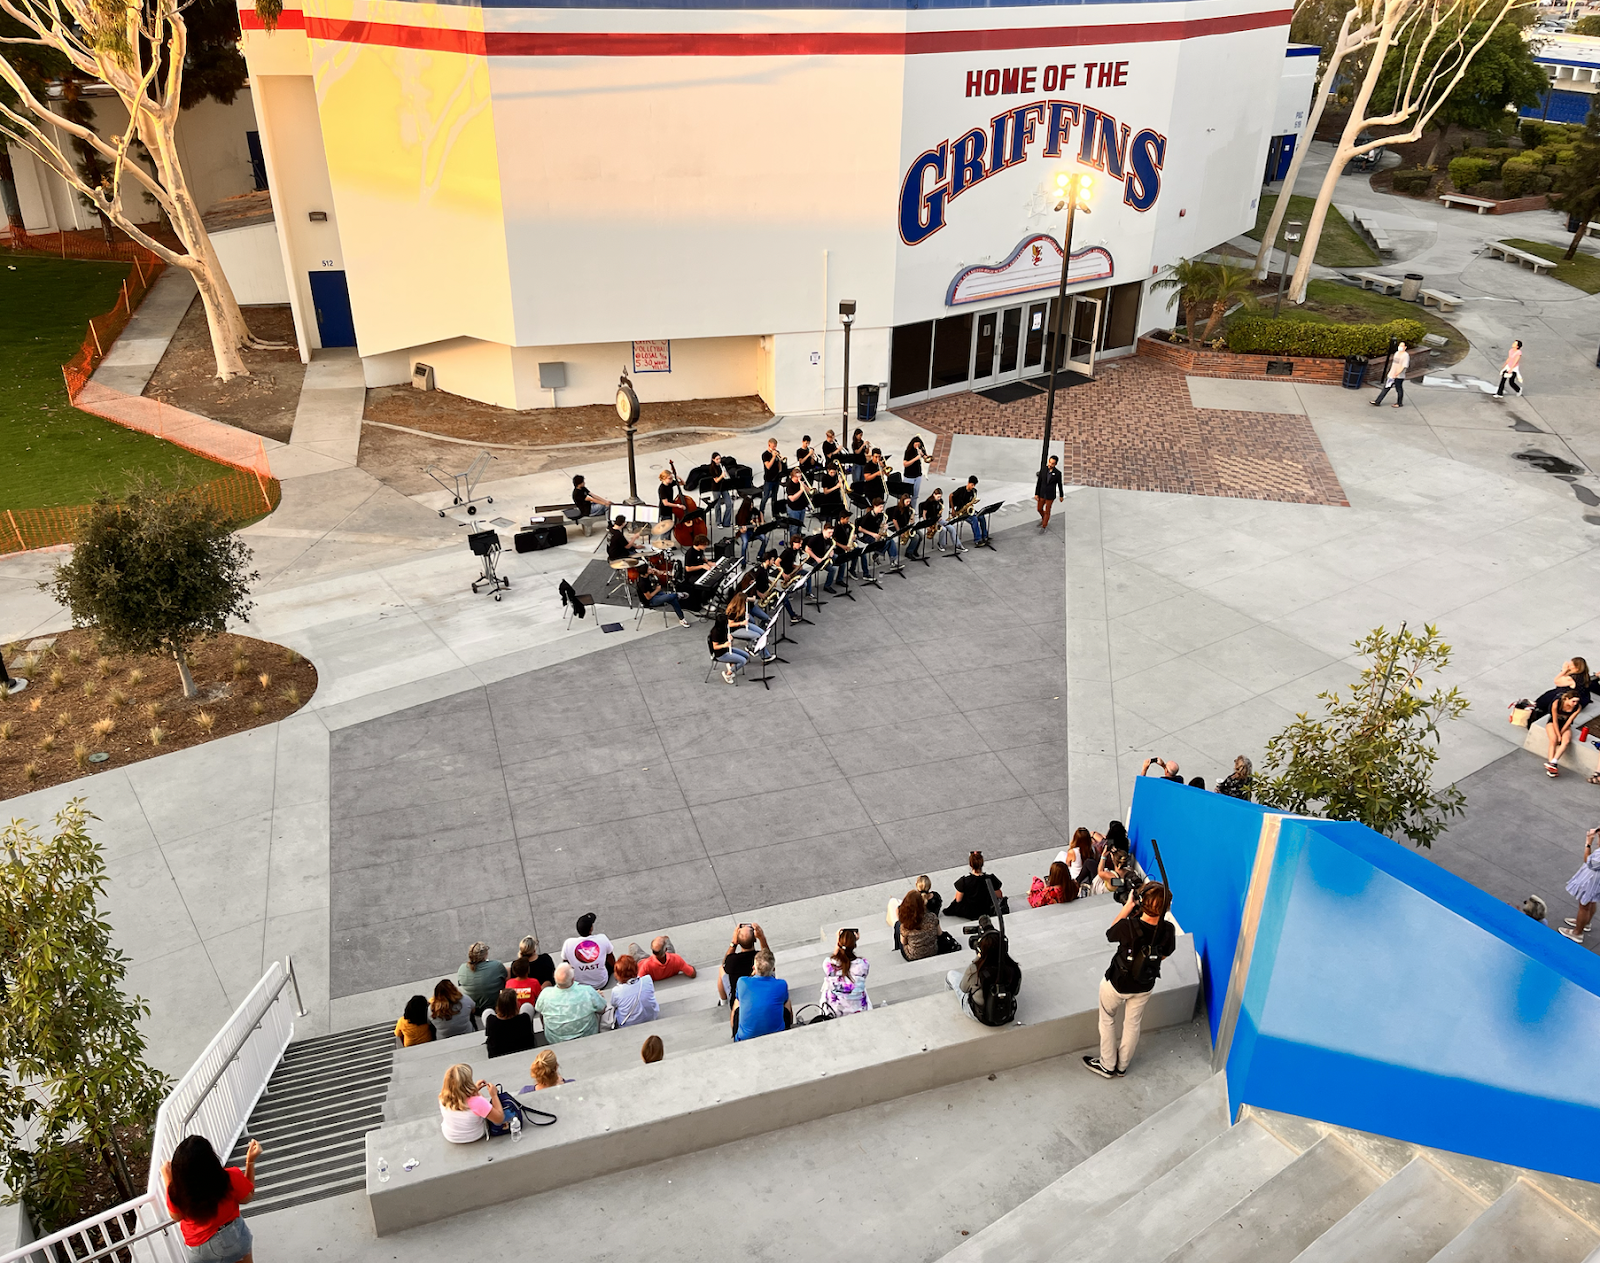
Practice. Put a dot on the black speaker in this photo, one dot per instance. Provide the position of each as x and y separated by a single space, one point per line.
484 542
536 538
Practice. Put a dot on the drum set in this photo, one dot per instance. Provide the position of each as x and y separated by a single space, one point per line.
649 555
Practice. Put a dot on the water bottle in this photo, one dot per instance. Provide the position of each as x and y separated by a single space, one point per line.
516 1128
383 1170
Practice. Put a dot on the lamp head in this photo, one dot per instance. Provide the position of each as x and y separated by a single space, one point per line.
847 310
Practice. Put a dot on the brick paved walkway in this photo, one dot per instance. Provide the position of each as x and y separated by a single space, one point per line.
1134 428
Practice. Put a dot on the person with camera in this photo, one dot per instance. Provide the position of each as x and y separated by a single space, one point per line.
1144 938
1118 873
989 986
1169 771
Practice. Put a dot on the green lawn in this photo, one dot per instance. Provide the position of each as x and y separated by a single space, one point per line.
1583 272
50 453
1340 245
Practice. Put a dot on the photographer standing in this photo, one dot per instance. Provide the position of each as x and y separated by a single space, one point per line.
1144 938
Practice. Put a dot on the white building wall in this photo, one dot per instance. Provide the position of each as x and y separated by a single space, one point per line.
1294 92
252 260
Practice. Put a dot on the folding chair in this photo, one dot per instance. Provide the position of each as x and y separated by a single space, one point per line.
577 604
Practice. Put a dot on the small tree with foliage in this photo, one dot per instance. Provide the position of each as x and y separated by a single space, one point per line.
155 571
74 1073
1371 756
1577 189
1196 283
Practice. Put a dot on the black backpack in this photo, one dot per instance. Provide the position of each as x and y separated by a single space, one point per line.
1138 973
996 1001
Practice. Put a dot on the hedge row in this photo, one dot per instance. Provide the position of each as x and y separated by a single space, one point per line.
1264 335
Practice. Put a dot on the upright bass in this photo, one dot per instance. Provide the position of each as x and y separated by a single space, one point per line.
690 528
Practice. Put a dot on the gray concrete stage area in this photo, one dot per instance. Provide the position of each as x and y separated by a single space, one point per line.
909 726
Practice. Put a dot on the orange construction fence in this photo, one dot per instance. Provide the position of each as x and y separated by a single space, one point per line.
248 491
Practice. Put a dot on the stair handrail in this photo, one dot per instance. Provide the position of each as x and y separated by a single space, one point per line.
151 1238
216 1097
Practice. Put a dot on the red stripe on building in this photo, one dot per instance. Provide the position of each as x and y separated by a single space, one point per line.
758 44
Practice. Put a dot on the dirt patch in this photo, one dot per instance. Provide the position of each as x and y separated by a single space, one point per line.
263 403
74 692
397 458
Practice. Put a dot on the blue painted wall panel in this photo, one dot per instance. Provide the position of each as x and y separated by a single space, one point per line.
1209 843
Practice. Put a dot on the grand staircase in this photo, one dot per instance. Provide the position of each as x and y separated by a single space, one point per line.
1185 1187
321 1101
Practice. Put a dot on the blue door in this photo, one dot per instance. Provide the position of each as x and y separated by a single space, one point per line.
1285 155
331 297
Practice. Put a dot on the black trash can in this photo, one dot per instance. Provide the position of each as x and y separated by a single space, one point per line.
1355 371
867 402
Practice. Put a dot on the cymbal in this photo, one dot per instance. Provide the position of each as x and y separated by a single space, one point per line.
662 528
624 563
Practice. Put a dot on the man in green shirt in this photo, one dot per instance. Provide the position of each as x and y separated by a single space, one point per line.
570 1010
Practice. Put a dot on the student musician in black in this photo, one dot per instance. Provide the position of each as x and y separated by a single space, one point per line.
900 518
668 491
719 640
858 448
928 514
845 548
584 502
832 488
964 504
795 499
652 596
912 468
830 448
722 488
820 556
805 456
871 535
873 477
696 565
618 545
772 468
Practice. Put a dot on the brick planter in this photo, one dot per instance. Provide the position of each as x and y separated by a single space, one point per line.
1203 362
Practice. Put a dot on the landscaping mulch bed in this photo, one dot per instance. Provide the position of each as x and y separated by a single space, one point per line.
263 403
74 691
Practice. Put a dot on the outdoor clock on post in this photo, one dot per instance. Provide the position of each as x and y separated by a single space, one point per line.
627 402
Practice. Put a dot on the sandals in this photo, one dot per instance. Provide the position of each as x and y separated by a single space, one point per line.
1595 779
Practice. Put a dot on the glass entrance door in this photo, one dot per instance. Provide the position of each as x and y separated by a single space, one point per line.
1083 333
1005 346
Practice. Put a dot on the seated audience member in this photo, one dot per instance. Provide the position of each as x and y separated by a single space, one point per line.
414 1027
1116 837
570 1009
540 966
991 968
740 959
1168 772
973 899
634 996
1574 675
546 1073
590 954
844 978
451 1011
760 1001
662 962
584 502
1559 731
523 982
467 1106
204 1197
924 887
1055 887
1081 860
509 1029
916 929
652 1050
481 978
1119 873
1237 783
1197 782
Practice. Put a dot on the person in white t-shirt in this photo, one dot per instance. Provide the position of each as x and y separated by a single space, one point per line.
1395 378
590 955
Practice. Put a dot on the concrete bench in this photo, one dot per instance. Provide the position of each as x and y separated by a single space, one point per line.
562 513
1482 205
1438 298
1520 257
1581 758
1376 280
1374 233
1592 228
695 1100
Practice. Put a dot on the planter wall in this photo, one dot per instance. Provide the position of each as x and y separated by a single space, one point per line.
1203 362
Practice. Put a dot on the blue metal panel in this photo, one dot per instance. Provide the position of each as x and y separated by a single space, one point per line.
1563 107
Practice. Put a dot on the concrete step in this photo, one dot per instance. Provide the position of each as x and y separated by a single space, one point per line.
1288 1212
1523 1226
1408 1219
1031 1232
1181 1203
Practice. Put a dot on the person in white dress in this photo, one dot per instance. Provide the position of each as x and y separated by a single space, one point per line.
1585 888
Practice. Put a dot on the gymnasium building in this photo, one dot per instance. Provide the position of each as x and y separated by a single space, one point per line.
532 199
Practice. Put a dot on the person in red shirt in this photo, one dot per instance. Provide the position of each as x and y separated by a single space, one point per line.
204 1197
663 962
523 982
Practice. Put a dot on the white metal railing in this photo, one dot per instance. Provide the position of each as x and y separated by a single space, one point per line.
215 1098
134 1232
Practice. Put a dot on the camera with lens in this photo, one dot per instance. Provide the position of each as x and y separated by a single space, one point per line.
1125 878
976 932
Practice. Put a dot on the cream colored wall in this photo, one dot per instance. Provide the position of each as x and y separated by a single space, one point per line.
253 263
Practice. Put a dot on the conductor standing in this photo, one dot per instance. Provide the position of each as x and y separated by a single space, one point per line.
1144 938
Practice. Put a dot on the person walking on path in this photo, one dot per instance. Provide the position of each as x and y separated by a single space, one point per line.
1046 491
1585 888
1511 370
1395 379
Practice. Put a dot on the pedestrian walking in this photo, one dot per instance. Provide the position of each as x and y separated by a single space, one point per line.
1046 491
1511 370
1585 888
1395 379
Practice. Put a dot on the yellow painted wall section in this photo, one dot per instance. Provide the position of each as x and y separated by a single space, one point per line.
411 153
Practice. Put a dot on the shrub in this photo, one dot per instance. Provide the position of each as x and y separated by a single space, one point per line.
1413 181
1465 172
1263 335
1517 176
1533 132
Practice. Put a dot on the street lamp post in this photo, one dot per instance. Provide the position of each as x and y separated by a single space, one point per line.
1291 234
628 411
1072 189
847 317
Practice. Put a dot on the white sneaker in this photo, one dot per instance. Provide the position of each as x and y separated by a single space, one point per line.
1574 935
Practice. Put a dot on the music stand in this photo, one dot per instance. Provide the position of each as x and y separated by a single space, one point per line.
844 574
954 527
919 535
988 529
756 647
868 578
815 599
